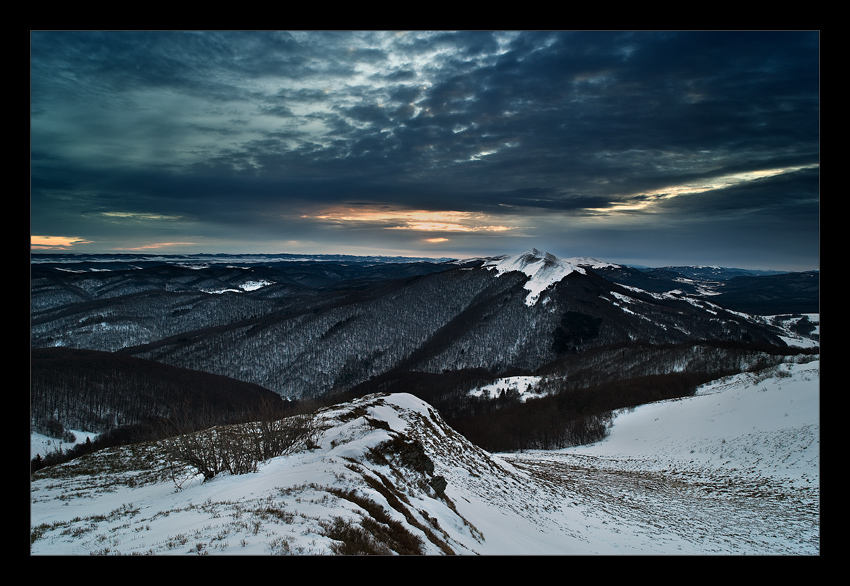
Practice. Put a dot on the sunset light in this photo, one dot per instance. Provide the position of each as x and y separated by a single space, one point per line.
418 220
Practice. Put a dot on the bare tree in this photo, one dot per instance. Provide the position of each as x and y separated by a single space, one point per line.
235 448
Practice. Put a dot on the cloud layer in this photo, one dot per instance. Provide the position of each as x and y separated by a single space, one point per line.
629 146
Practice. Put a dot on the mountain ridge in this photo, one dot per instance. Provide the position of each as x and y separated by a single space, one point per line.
312 335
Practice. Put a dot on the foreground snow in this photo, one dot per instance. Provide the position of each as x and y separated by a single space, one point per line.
732 470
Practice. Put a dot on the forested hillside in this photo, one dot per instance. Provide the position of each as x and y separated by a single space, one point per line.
314 329
99 391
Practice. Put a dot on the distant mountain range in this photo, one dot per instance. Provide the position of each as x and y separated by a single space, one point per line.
309 327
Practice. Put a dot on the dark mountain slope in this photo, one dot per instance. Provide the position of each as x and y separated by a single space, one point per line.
118 322
580 312
347 337
100 391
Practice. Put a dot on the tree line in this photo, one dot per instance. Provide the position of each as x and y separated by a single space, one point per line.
581 392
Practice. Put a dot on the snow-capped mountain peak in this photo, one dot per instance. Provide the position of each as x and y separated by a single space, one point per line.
543 268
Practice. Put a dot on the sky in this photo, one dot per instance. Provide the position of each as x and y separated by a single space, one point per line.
639 147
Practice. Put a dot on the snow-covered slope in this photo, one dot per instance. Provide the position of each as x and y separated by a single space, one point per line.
760 424
543 268
732 470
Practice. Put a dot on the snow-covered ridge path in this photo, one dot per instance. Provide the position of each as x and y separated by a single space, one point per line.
732 470
633 511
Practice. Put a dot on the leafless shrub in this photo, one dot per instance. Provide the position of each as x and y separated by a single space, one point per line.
235 448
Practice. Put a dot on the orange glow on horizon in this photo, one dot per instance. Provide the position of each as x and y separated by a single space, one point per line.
47 242
157 245
418 220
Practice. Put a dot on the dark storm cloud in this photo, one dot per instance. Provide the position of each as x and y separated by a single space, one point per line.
224 129
786 205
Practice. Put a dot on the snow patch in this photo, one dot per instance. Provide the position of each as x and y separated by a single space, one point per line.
524 386
247 286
